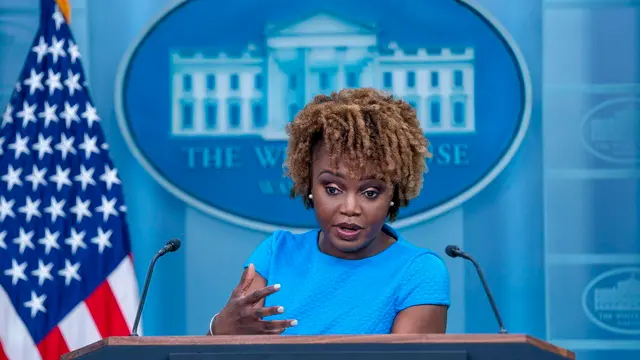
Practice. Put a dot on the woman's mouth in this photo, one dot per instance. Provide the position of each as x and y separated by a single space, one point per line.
347 231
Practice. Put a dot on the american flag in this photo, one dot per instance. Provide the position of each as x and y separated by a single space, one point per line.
66 273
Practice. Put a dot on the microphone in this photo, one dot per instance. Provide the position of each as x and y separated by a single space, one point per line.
171 246
454 251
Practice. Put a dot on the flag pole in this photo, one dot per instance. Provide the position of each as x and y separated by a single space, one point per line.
65 9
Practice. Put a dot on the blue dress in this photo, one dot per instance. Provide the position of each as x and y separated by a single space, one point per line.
329 295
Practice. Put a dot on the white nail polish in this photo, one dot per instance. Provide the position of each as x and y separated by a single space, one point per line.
280 309
276 286
294 322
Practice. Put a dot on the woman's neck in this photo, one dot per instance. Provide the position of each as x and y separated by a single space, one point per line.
380 243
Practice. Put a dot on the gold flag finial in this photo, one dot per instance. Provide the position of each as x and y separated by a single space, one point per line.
65 9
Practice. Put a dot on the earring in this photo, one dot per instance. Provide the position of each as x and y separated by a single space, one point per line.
310 196
391 204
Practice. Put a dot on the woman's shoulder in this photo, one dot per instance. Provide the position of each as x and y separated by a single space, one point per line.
417 256
285 234
284 239
424 276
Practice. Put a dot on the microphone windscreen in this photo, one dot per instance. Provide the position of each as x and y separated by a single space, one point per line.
452 250
175 244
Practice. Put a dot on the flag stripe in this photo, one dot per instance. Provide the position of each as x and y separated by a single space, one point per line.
17 343
3 356
78 328
106 312
124 287
52 346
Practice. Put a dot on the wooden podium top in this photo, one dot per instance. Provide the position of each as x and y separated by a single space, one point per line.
332 339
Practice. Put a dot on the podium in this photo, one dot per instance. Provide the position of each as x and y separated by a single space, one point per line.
370 347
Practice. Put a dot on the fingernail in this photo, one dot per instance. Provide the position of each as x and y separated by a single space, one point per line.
294 322
276 286
280 309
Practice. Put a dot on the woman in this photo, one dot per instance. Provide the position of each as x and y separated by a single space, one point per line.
355 158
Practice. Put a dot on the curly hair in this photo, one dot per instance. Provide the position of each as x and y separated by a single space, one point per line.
367 130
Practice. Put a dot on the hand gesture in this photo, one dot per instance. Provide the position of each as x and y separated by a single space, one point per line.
243 314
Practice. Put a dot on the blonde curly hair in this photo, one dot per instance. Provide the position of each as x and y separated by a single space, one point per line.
367 130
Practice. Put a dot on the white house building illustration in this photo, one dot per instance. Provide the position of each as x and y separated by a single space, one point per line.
257 95
625 296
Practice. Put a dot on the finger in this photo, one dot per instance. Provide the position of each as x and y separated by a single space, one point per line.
255 296
277 325
243 277
240 288
251 274
244 274
267 311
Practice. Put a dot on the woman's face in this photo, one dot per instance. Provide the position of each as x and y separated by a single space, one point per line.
350 212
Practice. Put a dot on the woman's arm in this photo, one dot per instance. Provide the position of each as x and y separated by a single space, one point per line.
423 297
421 319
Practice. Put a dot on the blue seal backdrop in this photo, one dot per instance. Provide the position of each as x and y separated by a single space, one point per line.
204 96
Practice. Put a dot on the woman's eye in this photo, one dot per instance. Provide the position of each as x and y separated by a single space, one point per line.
332 190
371 193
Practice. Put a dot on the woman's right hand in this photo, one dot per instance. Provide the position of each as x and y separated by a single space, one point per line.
243 314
